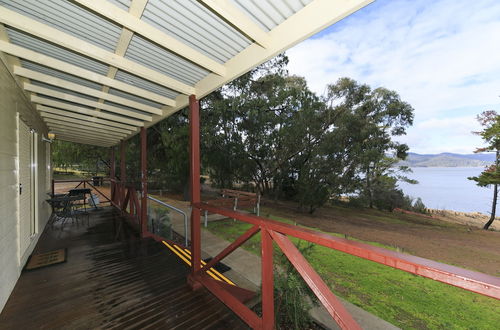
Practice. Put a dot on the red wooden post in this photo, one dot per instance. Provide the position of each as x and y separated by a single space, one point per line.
112 171
267 280
194 167
144 183
123 172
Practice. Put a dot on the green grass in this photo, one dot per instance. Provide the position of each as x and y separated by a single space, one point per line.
405 300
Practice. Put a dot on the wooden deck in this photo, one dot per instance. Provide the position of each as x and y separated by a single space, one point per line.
110 282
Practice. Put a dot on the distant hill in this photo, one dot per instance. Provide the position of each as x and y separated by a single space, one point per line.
447 159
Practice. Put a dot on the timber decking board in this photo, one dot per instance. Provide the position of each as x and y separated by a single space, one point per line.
131 283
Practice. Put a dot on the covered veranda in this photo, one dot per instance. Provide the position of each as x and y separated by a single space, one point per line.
100 72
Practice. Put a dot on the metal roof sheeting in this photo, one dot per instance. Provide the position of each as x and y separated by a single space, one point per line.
270 13
134 98
196 26
62 90
43 47
145 84
142 51
123 4
59 74
70 18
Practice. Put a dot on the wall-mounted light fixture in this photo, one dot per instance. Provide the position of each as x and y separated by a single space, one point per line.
51 137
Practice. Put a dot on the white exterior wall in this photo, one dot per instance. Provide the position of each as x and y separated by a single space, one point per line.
14 103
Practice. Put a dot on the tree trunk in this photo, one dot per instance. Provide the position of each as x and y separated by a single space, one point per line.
369 188
493 208
495 196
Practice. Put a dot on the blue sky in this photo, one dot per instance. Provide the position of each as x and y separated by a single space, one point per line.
443 57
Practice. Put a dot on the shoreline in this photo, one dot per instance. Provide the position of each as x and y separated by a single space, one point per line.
472 219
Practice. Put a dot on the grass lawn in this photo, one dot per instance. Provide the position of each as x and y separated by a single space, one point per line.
405 300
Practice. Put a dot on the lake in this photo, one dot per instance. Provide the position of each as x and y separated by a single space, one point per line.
448 188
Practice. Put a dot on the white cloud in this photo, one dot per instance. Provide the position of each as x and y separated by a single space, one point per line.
439 55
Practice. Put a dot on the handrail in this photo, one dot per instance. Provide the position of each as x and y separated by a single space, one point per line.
276 231
177 210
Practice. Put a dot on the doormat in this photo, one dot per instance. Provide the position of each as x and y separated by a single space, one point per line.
220 267
46 259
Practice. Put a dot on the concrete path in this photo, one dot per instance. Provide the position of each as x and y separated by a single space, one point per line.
246 271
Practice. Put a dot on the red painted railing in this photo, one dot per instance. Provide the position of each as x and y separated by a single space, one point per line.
125 199
278 232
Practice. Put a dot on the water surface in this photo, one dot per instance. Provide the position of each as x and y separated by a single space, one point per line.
448 188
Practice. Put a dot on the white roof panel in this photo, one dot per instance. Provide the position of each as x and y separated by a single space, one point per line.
196 26
70 18
46 48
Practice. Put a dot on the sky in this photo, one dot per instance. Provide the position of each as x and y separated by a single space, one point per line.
441 56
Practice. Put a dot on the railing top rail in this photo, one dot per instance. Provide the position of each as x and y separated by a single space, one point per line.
239 192
166 205
177 210
467 279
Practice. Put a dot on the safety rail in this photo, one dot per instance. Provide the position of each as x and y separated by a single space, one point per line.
278 232
178 211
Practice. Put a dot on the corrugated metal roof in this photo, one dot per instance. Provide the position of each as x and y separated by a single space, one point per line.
62 90
143 52
145 84
66 102
123 4
124 107
70 18
193 24
270 13
37 45
60 75
134 98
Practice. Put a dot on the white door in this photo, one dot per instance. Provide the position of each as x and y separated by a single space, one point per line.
27 187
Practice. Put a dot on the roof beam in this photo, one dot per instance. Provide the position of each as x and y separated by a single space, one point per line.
66 115
85 111
77 140
55 119
96 130
81 100
68 41
84 130
82 73
232 14
83 134
138 26
51 80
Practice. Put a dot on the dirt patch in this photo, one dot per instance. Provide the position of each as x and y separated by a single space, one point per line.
452 243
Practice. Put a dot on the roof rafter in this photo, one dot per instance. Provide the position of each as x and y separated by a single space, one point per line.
63 114
68 41
242 22
82 73
85 111
92 133
96 130
138 26
57 119
82 134
81 100
76 140
51 80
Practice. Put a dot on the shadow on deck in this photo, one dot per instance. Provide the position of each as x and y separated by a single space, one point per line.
110 281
